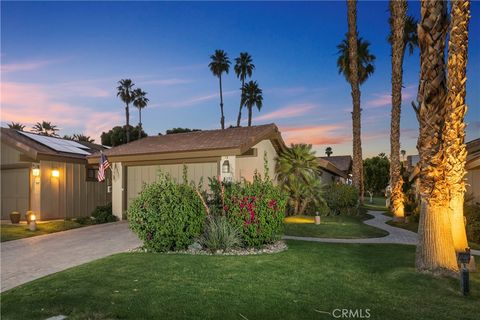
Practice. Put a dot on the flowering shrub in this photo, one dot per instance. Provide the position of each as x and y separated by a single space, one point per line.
257 209
166 215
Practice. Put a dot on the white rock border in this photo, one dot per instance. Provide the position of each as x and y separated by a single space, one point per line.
275 247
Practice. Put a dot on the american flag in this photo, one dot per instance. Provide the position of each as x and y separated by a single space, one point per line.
103 165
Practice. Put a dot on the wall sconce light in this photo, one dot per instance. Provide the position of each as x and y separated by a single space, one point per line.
36 172
226 167
55 173
33 223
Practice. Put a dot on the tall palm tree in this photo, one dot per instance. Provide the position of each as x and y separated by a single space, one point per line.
45 128
402 34
125 92
218 65
243 69
252 96
403 152
16 125
398 13
140 101
356 64
296 168
454 147
435 250
328 151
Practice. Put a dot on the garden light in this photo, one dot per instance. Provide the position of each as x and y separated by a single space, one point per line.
33 223
464 258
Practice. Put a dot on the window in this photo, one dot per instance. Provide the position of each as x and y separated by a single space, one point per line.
92 174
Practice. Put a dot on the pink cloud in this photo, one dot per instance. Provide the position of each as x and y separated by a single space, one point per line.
28 65
30 103
198 99
316 135
385 99
286 112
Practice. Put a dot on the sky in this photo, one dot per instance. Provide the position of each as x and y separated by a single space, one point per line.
61 61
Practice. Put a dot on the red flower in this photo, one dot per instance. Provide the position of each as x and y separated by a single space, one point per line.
272 204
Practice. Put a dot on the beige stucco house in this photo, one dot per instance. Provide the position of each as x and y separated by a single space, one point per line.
231 154
49 176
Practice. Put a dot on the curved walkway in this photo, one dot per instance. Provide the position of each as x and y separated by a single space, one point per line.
396 235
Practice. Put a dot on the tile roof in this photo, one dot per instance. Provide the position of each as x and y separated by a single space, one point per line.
241 138
343 163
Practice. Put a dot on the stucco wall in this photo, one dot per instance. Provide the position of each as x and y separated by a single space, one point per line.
10 155
473 183
246 165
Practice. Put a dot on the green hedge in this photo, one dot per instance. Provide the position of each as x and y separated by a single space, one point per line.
167 215
341 198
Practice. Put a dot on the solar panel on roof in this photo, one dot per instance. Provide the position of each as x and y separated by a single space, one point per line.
58 144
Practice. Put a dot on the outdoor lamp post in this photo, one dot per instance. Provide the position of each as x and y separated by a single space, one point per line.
33 223
317 218
464 259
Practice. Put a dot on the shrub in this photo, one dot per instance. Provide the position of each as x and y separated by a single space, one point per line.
166 215
472 215
257 209
103 214
341 198
219 234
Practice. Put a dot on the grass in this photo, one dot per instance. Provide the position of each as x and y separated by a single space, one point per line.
294 284
20 231
378 204
332 227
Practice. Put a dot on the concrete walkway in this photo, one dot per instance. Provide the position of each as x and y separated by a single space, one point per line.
396 235
32 258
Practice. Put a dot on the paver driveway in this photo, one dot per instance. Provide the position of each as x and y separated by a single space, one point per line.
29 259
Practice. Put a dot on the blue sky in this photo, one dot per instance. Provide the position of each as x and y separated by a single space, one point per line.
61 61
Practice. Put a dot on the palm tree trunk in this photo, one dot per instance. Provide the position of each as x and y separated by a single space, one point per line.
127 129
250 115
398 10
454 131
140 123
239 119
222 119
435 251
356 122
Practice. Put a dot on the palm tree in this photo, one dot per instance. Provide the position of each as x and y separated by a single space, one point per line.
45 128
356 64
243 69
403 152
79 137
140 101
125 92
16 125
328 151
402 34
252 96
218 65
295 169
454 147
435 250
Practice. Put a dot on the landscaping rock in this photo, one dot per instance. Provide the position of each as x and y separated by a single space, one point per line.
195 247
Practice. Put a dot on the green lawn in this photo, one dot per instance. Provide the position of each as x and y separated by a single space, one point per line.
19 231
333 227
294 284
378 203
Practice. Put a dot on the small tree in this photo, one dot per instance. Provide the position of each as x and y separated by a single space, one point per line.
376 172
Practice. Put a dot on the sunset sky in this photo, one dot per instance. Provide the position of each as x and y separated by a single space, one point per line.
60 62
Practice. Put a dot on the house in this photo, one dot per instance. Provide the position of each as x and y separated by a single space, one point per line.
231 154
342 163
472 166
473 169
49 176
330 173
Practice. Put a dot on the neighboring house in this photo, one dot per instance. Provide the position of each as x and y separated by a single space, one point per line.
343 163
473 169
330 173
412 161
472 166
231 154
48 176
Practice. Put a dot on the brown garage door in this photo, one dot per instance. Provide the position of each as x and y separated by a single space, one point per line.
15 191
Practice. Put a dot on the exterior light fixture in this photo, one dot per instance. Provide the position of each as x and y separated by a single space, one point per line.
33 223
35 172
55 173
226 167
